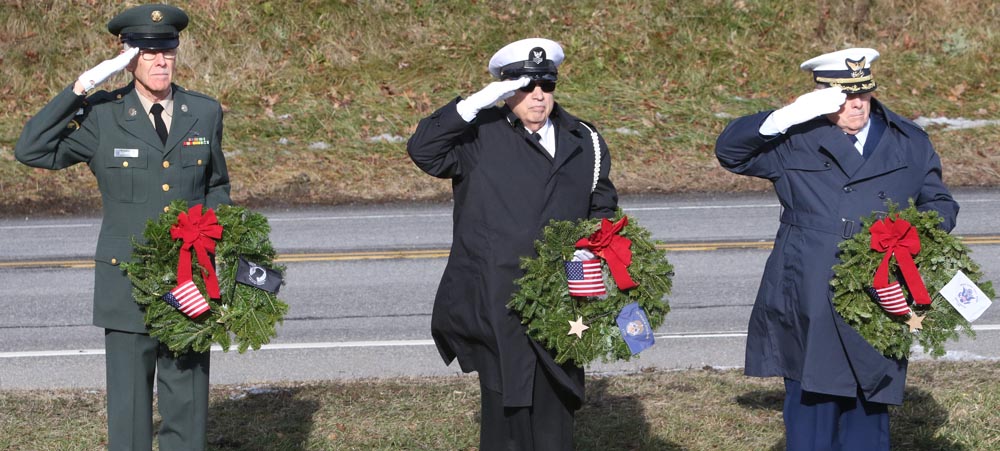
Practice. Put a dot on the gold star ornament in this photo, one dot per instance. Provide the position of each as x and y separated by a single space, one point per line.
915 322
577 327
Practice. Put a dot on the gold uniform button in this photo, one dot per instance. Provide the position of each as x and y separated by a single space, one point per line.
125 164
114 261
199 162
166 209
166 164
166 187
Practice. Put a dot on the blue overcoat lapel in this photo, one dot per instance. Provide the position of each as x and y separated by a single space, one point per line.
839 147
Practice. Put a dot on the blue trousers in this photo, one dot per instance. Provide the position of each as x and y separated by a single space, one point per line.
819 422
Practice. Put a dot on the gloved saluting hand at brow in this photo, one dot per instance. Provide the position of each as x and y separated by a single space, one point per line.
489 96
101 72
804 108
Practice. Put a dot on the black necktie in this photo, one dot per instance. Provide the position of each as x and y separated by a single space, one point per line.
161 127
537 136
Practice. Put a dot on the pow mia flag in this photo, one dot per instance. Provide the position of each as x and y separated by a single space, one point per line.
257 276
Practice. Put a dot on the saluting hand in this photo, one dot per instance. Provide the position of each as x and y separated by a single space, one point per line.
101 72
804 108
489 96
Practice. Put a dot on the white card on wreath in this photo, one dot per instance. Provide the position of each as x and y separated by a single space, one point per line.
966 297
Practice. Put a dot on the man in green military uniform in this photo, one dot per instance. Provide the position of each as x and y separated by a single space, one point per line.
148 143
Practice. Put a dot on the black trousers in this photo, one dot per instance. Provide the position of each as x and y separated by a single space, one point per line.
546 425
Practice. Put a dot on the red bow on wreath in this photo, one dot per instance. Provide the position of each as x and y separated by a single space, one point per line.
897 237
199 231
615 249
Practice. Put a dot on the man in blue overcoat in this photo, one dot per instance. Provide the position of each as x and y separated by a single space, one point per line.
513 168
834 155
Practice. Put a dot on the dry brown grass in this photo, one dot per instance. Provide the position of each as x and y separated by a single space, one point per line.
948 406
668 74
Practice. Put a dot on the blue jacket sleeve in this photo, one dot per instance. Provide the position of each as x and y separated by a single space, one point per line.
741 149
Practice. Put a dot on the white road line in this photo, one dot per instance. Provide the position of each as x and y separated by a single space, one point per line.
384 343
49 226
700 207
702 335
448 214
338 218
407 215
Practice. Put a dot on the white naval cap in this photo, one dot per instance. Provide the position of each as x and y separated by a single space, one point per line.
534 57
849 69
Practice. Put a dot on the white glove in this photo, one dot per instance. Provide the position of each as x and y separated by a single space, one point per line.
804 108
93 77
489 96
582 255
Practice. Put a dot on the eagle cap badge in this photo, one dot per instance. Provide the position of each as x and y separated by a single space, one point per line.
856 67
537 55
156 16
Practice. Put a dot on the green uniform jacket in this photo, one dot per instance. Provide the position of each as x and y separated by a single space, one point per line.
137 174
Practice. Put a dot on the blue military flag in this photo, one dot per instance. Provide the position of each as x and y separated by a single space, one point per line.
635 328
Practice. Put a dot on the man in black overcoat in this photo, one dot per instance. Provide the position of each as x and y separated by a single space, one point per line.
835 155
513 168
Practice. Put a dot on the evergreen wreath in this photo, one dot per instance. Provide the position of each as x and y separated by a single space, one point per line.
546 308
941 256
244 314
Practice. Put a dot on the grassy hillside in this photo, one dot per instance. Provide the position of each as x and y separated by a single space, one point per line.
321 95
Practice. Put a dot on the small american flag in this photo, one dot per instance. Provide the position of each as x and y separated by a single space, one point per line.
186 298
584 278
891 299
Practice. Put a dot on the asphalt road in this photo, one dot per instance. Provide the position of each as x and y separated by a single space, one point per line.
361 282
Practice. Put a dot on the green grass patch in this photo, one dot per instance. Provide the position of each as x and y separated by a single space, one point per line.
949 405
312 88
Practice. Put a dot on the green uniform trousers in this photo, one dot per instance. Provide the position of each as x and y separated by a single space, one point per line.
182 385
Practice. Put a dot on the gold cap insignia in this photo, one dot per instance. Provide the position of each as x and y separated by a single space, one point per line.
856 67
156 16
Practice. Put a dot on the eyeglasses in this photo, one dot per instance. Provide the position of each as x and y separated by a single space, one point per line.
150 55
546 85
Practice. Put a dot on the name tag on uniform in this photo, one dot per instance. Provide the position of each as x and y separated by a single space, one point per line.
126 153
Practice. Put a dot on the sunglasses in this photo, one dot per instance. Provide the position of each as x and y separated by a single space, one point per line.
546 85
